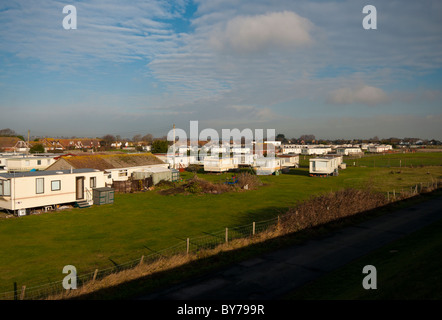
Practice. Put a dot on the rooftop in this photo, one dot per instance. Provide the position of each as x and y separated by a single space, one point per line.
44 173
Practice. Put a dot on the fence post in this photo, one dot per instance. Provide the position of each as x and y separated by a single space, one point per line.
187 245
253 229
394 194
227 235
95 275
388 195
142 259
22 294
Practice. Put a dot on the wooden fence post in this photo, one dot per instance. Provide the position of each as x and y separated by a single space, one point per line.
22 294
95 275
227 235
142 259
253 228
187 246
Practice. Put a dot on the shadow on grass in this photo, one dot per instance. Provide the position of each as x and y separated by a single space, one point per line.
298 172
203 267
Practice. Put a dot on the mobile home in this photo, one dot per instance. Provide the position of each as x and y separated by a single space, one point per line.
21 192
288 161
323 166
347 151
19 164
267 166
216 164
315 151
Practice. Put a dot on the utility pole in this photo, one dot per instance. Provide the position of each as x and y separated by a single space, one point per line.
28 146
174 146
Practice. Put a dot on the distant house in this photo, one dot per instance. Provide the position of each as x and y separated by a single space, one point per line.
20 192
51 145
118 167
80 143
8 144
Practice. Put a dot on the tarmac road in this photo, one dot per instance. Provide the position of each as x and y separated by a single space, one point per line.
272 275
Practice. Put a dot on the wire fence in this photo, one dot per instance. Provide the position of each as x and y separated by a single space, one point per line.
42 290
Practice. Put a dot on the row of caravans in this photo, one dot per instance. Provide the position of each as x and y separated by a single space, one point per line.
262 165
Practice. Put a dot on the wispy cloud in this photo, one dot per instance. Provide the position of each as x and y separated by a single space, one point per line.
367 95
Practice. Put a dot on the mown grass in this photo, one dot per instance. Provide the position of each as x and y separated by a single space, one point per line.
397 160
34 249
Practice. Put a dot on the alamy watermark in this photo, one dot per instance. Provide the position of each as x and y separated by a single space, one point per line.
370 281
231 142
368 22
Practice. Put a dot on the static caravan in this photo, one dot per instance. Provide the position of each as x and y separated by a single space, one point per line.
244 159
346 151
20 164
216 164
315 151
123 174
323 166
380 148
156 173
20 192
292 149
177 162
289 161
267 166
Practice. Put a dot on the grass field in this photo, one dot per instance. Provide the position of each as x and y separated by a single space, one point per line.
34 249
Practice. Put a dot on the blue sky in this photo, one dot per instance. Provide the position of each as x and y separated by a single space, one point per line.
300 67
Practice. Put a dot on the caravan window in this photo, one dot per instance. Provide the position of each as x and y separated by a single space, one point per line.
93 182
55 185
39 185
5 187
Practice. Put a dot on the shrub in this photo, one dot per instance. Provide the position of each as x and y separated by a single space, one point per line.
252 181
329 207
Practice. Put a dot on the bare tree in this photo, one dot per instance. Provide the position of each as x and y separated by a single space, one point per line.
7 132
147 138
137 138
108 140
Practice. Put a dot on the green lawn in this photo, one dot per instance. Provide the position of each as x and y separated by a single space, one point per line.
34 249
397 160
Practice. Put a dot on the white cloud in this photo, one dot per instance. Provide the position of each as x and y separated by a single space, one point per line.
362 94
275 30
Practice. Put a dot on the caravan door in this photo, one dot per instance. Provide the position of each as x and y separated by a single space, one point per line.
79 182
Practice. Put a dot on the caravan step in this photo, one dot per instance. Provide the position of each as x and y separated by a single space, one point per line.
82 204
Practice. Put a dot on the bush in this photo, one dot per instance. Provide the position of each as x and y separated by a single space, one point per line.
194 168
249 180
329 207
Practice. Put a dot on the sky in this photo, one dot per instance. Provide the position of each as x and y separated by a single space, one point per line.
299 67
